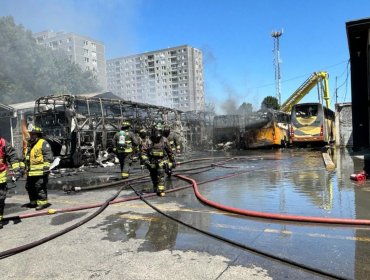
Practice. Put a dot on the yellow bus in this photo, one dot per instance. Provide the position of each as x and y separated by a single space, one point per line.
266 128
312 123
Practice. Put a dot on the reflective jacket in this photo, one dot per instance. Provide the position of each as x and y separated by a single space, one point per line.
156 151
7 155
38 158
124 140
174 142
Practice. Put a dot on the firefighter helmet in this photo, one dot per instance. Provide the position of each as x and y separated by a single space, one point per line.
142 133
157 131
166 130
34 129
125 125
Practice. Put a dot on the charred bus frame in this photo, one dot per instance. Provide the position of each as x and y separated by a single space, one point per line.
79 127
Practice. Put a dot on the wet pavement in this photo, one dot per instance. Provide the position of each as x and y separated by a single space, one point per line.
130 240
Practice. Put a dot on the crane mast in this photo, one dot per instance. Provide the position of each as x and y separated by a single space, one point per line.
317 78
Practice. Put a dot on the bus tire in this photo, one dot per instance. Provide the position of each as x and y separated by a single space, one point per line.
77 158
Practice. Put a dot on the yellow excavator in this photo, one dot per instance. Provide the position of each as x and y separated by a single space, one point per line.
317 78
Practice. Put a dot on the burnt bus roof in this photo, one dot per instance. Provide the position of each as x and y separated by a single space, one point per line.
69 98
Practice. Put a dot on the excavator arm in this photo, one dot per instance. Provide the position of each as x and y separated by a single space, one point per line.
317 78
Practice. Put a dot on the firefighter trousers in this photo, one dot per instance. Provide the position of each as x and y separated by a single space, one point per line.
125 161
157 175
3 191
36 187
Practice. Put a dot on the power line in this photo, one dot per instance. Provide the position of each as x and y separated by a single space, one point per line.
304 75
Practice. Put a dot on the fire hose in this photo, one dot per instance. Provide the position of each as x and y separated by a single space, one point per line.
28 246
194 184
240 245
272 216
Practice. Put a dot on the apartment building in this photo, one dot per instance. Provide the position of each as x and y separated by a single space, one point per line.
86 52
171 77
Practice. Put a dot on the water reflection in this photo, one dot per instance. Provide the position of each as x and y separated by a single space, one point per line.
296 183
161 235
119 229
292 182
317 186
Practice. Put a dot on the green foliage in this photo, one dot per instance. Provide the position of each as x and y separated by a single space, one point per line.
270 102
245 109
28 70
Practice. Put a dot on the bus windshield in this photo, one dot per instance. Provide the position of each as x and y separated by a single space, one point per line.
307 114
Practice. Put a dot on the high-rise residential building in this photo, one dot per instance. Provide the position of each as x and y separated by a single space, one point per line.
86 52
171 77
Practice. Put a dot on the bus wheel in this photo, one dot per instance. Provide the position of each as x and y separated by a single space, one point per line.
77 158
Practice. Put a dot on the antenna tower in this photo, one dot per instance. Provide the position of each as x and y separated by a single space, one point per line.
276 35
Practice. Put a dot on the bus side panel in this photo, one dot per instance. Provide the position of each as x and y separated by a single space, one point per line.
281 134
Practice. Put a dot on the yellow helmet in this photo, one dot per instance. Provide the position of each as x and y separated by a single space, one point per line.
157 131
34 129
125 124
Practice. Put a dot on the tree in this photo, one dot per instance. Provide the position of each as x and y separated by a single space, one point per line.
270 102
28 71
245 109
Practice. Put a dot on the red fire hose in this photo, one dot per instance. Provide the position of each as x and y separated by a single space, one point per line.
272 216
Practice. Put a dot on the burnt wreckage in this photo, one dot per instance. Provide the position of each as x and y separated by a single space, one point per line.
79 127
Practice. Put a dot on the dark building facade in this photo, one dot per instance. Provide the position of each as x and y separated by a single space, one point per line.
358 42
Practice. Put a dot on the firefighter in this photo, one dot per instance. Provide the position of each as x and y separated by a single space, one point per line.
8 158
37 161
156 156
143 144
174 144
172 138
124 142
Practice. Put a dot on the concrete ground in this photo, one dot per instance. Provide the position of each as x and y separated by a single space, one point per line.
130 240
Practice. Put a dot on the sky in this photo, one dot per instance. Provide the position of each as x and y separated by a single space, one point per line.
234 37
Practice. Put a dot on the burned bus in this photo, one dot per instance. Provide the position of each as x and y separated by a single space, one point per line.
228 129
266 128
197 130
79 127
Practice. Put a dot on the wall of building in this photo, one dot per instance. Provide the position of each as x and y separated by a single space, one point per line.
343 123
358 41
171 77
86 52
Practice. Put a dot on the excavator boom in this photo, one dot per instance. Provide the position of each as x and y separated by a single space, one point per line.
317 78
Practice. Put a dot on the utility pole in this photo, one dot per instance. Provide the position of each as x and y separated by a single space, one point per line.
276 35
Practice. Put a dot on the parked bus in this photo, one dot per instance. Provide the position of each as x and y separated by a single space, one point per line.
312 123
266 128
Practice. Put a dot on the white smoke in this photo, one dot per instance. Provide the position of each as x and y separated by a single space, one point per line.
84 17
